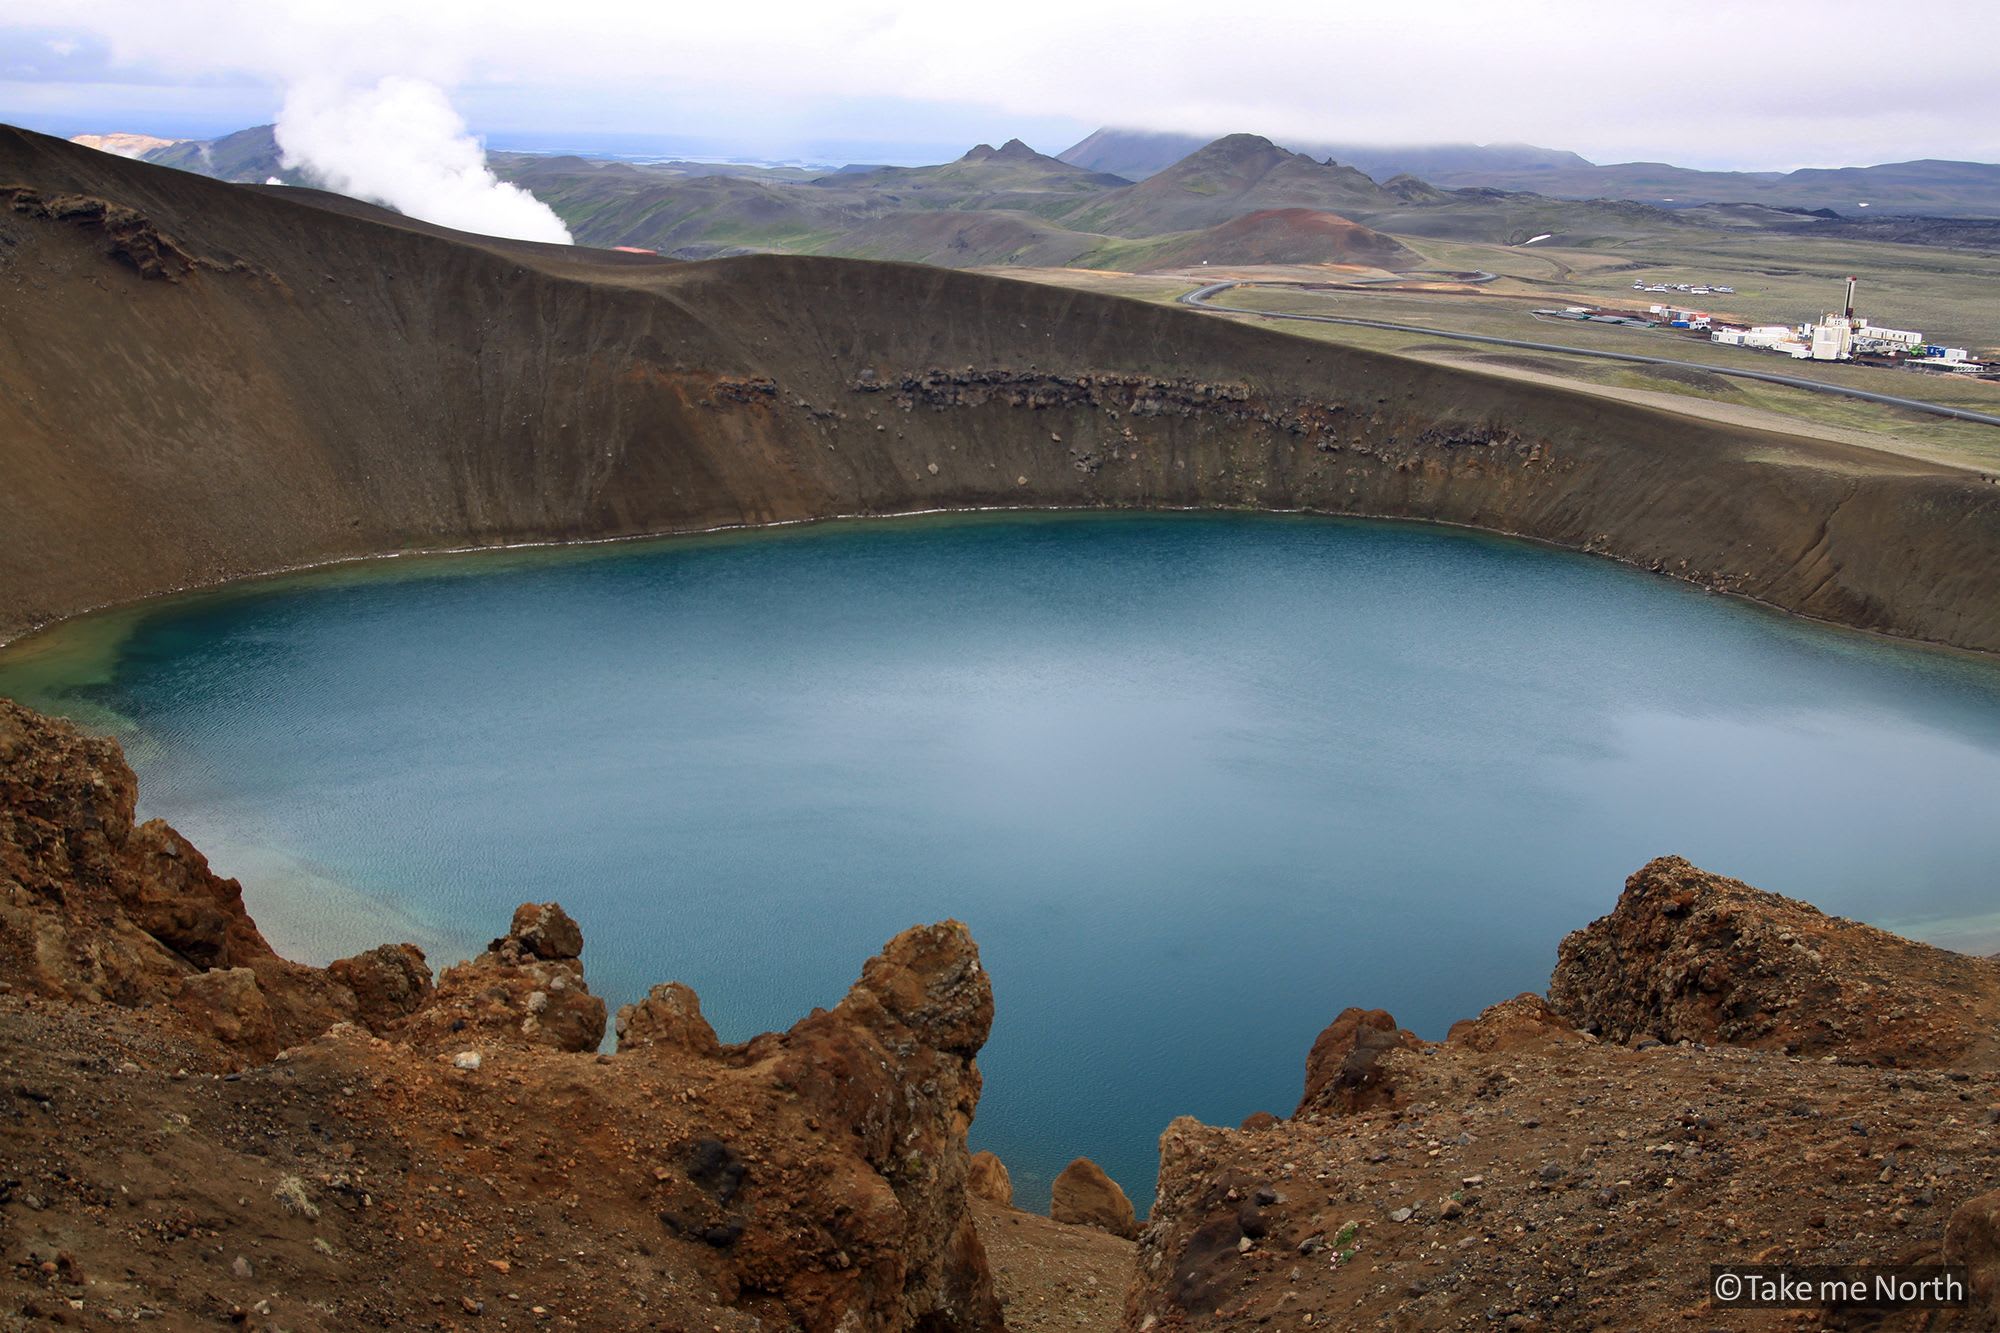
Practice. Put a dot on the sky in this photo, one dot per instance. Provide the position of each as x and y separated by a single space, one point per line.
1741 84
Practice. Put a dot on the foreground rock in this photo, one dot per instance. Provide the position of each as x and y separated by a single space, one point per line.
670 1015
528 987
1690 956
1345 1071
421 1154
1973 1238
1527 1174
987 1179
97 907
1084 1196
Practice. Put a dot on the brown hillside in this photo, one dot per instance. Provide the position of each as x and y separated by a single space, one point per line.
958 238
1285 236
200 382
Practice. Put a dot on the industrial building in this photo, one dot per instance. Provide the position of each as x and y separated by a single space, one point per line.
1842 336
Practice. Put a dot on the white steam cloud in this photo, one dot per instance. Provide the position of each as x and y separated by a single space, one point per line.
401 143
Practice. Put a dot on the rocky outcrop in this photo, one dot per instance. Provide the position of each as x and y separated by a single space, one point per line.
1972 1238
1084 1196
1523 1023
128 235
1496 1178
815 1178
390 982
986 1178
527 987
670 1015
94 906
1691 956
1346 1071
915 1020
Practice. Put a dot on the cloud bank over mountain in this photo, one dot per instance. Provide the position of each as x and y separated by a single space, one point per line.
1749 85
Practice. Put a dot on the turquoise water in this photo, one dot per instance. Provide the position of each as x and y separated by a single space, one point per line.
1196 783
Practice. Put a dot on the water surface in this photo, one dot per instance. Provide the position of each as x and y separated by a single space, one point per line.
1196 783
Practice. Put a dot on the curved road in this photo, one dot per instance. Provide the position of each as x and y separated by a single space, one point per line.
1199 298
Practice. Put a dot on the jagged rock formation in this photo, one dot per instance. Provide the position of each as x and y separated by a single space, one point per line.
986 1178
1526 1022
364 383
1083 1195
1345 1071
390 982
1528 1174
670 1015
1690 956
128 235
97 907
528 986
441 1151
811 1179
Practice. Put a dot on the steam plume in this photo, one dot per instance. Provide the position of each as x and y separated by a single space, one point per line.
400 143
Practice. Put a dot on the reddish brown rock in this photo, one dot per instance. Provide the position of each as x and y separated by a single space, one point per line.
1345 1070
1691 956
813 1179
228 1004
542 930
986 1178
390 982
94 907
1084 1196
670 1015
1257 1120
1525 1021
892 1063
527 987
1972 1238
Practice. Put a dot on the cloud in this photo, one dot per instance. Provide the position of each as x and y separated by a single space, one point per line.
400 143
1706 81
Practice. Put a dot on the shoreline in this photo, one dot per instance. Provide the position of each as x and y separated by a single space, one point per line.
23 640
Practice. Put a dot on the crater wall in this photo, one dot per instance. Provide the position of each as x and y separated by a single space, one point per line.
201 382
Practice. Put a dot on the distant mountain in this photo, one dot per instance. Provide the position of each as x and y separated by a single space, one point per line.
1133 154
1236 175
124 145
1930 188
1238 200
248 156
1010 176
1140 153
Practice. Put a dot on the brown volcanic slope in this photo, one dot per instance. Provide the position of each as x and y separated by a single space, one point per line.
201 381
1284 236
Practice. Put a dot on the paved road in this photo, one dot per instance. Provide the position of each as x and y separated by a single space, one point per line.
1200 298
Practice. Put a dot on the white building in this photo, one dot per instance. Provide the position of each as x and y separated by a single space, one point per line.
1767 335
1832 339
1872 338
